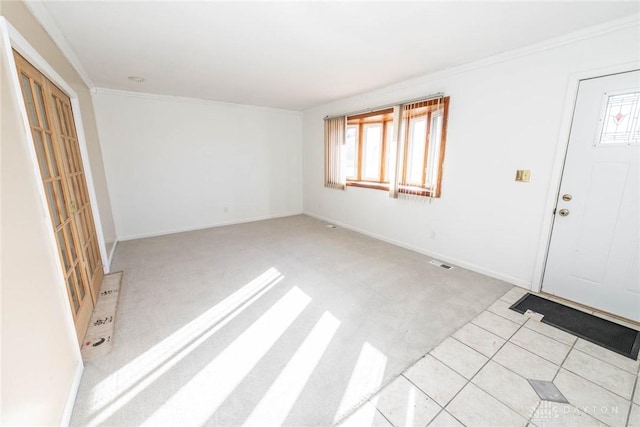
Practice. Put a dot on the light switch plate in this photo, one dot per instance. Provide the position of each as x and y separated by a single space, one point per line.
523 175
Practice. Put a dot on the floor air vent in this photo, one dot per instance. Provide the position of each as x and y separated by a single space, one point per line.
440 264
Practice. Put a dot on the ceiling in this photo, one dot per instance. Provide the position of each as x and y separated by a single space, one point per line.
296 55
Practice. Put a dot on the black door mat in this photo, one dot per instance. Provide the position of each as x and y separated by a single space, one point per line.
602 332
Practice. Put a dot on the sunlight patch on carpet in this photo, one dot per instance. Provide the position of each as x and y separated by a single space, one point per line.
133 378
196 401
366 378
273 408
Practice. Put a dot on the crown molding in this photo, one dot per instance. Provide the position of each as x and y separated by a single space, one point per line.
188 100
44 18
39 11
573 37
552 43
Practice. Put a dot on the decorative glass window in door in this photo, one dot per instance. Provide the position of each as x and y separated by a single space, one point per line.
619 120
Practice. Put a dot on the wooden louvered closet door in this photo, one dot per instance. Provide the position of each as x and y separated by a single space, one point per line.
56 145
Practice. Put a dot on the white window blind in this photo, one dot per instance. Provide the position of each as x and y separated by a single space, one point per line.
397 148
419 149
334 142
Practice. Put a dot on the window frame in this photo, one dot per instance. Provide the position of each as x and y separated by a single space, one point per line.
360 121
395 155
422 189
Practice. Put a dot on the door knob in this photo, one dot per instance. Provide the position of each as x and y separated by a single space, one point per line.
563 212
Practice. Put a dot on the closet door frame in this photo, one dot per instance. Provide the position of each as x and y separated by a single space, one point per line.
11 40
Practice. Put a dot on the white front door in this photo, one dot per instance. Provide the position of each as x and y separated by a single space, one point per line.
593 255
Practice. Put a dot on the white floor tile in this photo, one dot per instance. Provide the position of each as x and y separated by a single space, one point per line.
634 416
525 363
595 370
541 345
496 324
501 308
366 416
403 404
475 407
460 357
508 387
608 356
597 402
513 295
434 378
479 339
445 419
553 414
551 332
636 394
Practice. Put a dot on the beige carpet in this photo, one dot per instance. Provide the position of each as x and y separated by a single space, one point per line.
274 322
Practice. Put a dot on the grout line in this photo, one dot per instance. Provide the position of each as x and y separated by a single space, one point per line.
593 382
491 360
535 354
381 389
469 381
505 317
535 409
380 412
436 416
564 360
633 394
508 340
493 333
450 414
604 361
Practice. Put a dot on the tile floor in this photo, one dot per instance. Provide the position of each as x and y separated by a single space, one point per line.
478 377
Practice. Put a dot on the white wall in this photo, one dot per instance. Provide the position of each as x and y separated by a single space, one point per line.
177 164
20 17
40 356
503 116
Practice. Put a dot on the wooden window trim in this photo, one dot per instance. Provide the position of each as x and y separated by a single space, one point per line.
369 184
423 109
382 117
431 106
387 113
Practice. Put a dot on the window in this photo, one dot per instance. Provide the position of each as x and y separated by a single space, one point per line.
619 121
371 156
367 147
423 143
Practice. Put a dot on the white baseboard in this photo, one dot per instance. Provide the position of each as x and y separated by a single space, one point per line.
111 253
204 227
71 397
449 260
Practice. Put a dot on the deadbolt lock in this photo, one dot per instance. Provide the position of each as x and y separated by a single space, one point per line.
567 197
563 212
